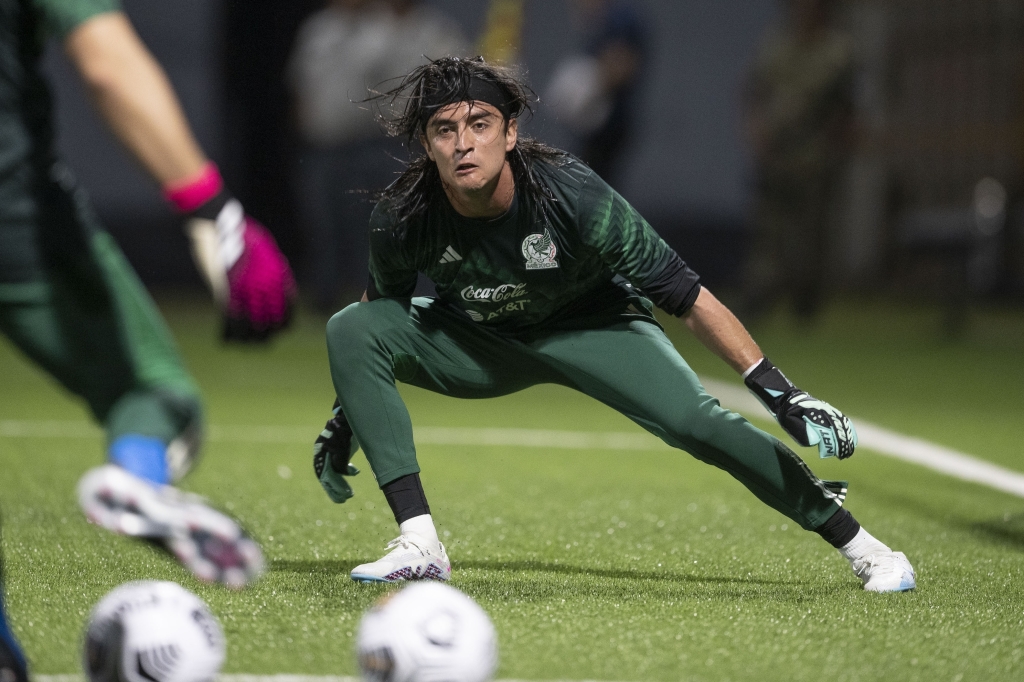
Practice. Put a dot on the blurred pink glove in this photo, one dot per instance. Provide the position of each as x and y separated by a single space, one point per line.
247 273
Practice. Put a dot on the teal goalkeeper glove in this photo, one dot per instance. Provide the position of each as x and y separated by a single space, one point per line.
332 451
808 420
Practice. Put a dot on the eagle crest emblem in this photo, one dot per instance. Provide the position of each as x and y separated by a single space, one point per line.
540 251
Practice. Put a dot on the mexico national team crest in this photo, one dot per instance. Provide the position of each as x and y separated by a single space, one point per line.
540 252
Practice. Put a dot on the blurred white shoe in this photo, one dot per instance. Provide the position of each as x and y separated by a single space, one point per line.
885 572
410 558
208 543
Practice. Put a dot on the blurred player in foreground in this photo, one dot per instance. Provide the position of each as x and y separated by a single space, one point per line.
545 274
70 301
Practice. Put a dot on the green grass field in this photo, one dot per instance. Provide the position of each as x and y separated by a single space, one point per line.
594 565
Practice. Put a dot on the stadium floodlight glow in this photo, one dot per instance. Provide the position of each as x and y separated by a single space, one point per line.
152 631
427 632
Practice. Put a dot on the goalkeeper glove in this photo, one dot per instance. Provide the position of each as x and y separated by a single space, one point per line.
237 256
808 420
332 451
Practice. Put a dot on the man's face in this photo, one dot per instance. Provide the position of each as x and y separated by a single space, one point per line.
468 142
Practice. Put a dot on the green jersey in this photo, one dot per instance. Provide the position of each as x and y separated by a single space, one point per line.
26 126
594 261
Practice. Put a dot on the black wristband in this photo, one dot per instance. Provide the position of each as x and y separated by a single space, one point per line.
212 208
769 384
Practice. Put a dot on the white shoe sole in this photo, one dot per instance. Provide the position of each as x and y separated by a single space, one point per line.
906 584
366 579
406 573
209 544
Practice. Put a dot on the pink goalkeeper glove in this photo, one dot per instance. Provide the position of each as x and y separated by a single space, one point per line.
247 273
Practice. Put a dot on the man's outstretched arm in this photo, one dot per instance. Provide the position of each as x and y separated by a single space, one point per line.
237 256
135 98
807 420
719 331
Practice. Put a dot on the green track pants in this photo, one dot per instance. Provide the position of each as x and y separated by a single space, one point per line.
93 327
631 367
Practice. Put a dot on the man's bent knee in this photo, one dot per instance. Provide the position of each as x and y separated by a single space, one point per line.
359 326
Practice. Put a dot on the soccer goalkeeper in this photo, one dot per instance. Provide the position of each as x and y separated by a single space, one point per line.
545 275
71 303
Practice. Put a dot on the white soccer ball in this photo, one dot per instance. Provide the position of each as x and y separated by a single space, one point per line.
428 632
152 631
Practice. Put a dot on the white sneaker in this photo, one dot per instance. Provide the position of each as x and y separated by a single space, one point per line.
209 544
885 572
411 558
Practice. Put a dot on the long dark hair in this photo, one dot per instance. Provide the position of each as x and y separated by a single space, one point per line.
404 109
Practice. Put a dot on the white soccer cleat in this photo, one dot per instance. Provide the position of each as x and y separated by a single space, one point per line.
885 572
410 558
208 543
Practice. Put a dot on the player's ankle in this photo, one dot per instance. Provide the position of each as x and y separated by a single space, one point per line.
862 545
406 498
142 456
840 529
422 528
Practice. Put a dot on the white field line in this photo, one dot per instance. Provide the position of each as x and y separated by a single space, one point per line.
222 678
249 678
893 444
425 435
884 441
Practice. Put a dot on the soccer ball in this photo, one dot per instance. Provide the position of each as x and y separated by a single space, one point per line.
152 631
427 632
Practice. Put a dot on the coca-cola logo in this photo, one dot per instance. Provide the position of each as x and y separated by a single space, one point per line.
504 292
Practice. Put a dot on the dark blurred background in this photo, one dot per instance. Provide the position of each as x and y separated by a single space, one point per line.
926 200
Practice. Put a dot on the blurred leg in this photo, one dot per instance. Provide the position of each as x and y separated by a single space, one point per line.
90 323
98 333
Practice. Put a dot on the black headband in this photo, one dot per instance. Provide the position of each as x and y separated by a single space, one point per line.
479 90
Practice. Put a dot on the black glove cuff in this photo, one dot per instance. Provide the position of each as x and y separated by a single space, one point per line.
769 384
335 449
212 208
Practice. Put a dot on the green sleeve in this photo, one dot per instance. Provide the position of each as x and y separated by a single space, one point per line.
391 271
630 247
63 16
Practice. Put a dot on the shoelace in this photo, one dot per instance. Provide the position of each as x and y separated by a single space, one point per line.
405 542
886 563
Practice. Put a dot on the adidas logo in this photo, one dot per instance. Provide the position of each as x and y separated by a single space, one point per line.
450 256
838 489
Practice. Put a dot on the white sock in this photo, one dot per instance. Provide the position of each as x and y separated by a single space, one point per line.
422 527
862 544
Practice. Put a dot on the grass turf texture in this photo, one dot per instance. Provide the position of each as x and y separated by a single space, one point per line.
599 565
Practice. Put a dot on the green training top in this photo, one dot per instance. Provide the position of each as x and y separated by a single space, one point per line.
26 125
595 262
